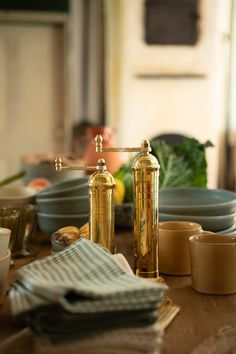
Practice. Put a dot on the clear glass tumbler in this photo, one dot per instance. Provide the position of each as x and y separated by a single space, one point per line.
27 228
9 218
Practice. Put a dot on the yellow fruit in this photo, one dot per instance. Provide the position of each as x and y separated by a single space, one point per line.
84 230
119 191
69 229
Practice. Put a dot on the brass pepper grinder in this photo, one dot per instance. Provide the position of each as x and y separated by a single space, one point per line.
101 187
146 181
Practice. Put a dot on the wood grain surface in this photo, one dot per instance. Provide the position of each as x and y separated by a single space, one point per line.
200 316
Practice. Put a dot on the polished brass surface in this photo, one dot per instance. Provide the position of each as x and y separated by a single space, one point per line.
146 177
146 173
59 167
100 148
101 198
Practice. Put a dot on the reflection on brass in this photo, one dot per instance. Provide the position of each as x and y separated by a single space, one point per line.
59 167
100 148
145 168
146 176
101 198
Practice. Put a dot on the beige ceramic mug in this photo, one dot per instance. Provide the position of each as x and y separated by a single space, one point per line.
213 263
173 246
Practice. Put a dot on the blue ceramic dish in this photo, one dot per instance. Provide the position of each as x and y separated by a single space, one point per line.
210 223
197 201
56 245
50 223
69 188
66 205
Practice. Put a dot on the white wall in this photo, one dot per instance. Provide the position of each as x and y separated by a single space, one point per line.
141 107
32 96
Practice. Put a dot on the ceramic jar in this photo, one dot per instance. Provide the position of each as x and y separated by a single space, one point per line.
113 159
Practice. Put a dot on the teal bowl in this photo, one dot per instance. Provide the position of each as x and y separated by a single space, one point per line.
65 205
56 245
197 201
74 187
45 169
50 223
209 223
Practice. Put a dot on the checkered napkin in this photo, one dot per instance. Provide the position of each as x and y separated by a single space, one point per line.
119 341
82 279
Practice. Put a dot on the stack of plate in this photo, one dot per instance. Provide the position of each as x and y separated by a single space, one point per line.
214 209
63 204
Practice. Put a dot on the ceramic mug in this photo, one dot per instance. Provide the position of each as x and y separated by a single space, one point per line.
173 246
213 263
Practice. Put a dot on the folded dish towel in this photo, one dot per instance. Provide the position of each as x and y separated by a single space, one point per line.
145 340
120 341
59 325
81 291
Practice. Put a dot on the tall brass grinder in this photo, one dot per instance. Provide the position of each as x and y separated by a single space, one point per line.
101 198
146 181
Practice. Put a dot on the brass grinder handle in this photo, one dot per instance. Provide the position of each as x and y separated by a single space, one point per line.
59 167
145 147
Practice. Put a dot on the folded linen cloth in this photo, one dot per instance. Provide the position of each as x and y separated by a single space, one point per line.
82 291
59 325
120 341
82 279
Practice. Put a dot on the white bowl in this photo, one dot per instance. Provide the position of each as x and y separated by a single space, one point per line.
4 268
4 240
17 195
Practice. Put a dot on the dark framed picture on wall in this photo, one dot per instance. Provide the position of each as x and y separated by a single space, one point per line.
172 29
171 22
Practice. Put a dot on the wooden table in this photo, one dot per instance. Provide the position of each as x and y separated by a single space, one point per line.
200 317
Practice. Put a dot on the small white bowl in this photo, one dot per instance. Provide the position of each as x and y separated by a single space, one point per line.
4 240
18 195
4 268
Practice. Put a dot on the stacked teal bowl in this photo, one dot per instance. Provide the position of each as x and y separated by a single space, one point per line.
63 204
214 209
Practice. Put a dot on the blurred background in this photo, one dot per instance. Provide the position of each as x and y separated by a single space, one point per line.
144 68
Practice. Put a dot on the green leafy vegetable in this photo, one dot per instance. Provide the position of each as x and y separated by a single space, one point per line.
194 154
181 165
174 170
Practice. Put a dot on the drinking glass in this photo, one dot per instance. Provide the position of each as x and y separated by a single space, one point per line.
27 228
9 218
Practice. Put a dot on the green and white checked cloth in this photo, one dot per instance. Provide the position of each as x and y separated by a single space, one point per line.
141 340
82 279
80 292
